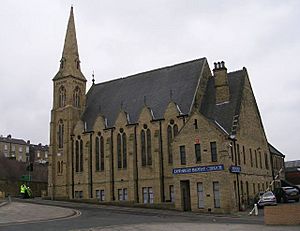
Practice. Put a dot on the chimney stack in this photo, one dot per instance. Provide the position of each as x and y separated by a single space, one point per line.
221 83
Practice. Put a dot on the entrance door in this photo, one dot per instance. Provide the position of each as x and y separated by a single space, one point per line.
185 195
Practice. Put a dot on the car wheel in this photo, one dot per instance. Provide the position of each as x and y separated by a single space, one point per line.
285 200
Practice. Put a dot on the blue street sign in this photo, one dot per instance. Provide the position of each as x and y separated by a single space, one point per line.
198 169
235 169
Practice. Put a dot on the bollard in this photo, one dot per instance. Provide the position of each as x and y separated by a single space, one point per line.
255 210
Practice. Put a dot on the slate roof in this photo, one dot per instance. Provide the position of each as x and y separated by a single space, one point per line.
150 88
273 150
223 113
12 140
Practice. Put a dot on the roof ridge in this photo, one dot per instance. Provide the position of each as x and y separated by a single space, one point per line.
149 71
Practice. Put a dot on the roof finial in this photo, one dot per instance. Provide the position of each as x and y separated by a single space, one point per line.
145 100
171 95
121 105
93 77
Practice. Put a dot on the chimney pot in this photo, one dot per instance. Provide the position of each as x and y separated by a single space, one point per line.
223 64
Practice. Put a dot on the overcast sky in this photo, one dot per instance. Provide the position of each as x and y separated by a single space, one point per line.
120 38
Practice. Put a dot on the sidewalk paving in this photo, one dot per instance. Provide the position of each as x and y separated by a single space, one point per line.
17 212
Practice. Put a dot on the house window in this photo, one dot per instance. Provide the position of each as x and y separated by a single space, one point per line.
216 189
254 192
99 143
122 150
146 146
123 194
171 189
5 147
59 167
13 148
76 97
182 155
198 152
100 195
200 193
148 197
20 149
213 150
60 134
38 154
81 156
62 97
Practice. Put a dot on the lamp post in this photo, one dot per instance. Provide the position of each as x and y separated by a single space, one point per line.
233 139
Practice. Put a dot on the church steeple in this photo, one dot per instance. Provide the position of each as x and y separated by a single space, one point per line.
70 62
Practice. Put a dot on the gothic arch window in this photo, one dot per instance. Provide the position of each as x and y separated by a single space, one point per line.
62 97
76 97
61 167
146 146
122 149
172 131
60 134
79 155
143 147
99 153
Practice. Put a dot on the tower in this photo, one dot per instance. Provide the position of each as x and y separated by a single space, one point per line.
69 86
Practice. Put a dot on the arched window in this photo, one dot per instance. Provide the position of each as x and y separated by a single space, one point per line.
77 156
76 97
62 97
60 134
143 147
169 139
172 131
81 156
146 146
119 154
175 129
149 154
122 149
99 143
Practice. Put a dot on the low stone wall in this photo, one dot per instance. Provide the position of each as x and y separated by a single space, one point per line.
282 214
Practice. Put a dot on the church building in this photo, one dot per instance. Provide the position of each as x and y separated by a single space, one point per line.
183 136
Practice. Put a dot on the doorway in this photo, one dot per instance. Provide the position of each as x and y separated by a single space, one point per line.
185 195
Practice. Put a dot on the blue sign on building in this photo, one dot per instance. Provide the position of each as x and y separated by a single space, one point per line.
235 169
198 169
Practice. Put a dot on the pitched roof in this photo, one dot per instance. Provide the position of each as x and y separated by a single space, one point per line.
223 114
150 88
12 140
274 151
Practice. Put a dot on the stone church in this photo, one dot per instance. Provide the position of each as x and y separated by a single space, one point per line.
181 136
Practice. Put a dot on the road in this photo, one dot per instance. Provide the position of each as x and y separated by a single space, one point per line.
96 217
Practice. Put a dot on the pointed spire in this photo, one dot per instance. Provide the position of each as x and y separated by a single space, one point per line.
70 47
70 63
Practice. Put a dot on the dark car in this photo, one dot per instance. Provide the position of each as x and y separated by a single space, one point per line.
265 198
284 194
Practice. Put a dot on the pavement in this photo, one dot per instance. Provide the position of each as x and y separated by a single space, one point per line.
60 215
18 212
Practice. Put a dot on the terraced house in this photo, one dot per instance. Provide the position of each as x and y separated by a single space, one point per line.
181 135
